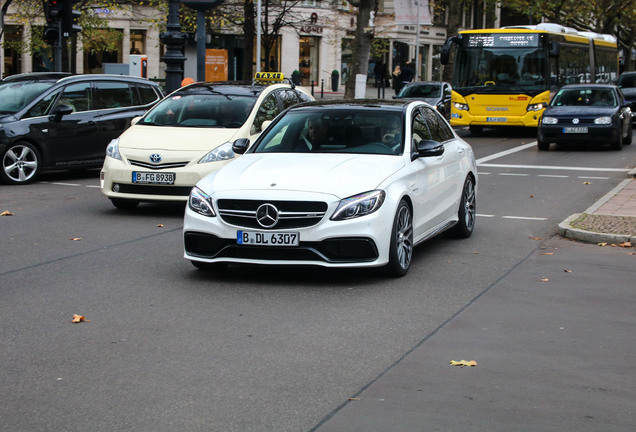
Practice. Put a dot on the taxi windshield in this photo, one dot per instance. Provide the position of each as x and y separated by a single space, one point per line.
16 95
211 110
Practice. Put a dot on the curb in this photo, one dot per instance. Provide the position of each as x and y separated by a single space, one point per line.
566 230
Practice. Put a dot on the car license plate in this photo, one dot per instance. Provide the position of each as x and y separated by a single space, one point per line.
497 119
264 238
574 130
153 178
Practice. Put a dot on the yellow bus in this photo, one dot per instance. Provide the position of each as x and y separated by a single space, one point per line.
504 77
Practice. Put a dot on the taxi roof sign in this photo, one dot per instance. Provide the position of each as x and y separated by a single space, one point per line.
269 76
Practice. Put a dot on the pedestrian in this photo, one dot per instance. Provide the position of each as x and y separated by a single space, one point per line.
407 75
379 71
397 79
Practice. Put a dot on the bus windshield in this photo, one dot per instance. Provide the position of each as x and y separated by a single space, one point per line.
501 71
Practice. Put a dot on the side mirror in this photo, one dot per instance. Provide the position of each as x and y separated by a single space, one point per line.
394 96
446 48
428 148
59 112
241 145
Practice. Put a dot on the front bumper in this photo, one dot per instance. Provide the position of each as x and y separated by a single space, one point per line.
601 134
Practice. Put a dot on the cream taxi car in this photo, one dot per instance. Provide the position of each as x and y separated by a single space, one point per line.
188 135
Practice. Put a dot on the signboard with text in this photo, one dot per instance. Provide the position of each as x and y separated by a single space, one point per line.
216 65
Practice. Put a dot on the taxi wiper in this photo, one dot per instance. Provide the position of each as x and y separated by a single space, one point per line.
218 93
151 123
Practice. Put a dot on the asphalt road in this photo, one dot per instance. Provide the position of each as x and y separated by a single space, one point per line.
254 349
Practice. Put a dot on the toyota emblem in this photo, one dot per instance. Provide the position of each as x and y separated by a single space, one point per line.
267 215
155 158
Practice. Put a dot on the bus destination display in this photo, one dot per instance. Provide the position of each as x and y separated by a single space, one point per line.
494 40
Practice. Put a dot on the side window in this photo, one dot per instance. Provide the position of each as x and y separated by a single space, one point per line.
42 107
78 97
267 111
439 129
420 130
148 94
303 96
114 95
288 98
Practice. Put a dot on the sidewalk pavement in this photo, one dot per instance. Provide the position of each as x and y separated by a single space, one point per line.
612 219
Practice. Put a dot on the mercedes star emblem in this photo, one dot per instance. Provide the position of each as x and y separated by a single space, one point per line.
267 215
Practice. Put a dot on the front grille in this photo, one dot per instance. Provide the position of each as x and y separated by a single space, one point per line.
153 189
167 165
337 250
292 214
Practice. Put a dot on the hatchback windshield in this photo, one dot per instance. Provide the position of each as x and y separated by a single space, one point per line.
335 131
16 95
201 110
584 96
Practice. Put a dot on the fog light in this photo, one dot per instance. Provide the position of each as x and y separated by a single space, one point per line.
116 187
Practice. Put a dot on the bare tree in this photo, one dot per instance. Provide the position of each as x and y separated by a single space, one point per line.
361 46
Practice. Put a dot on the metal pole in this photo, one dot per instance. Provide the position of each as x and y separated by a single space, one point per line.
57 48
200 45
258 36
417 43
175 40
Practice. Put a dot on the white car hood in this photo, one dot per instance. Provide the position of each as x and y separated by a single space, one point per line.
337 174
174 138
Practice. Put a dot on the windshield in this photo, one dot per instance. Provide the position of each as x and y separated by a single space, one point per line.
335 131
627 80
421 91
16 95
501 71
201 110
584 97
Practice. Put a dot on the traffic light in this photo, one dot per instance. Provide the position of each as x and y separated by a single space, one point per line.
52 13
70 18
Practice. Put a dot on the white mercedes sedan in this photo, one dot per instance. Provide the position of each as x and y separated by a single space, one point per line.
336 184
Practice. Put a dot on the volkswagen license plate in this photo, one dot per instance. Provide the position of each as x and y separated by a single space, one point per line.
153 178
574 130
265 238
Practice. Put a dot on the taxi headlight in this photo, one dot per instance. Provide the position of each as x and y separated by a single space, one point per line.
359 205
112 150
536 107
221 153
549 120
603 120
200 202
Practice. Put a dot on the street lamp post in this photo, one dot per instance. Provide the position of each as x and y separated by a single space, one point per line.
175 40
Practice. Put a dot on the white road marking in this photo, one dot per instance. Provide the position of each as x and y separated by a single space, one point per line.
65 184
524 218
514 174
506 152
485 215
548 167
593 178
552 176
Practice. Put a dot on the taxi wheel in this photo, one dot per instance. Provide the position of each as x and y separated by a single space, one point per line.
401 249
124 204
21 163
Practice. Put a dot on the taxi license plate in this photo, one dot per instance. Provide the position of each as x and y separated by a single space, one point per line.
497 119
153 178
264 238
574 130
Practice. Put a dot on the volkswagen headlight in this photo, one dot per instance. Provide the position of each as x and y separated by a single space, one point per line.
603 120
201 203
221 153
112 150
549 120
359 205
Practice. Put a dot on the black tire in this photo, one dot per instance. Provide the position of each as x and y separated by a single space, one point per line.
617 144
628 139
21 163
124 204
476 130
401 249
542 145
467 212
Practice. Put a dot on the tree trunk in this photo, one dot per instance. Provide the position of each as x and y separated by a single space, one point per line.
454 19
249 32
361 47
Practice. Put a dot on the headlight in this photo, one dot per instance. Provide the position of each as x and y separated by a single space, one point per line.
359 205
536 107
201 203
460 106
112 150
221 153
549 120
603 120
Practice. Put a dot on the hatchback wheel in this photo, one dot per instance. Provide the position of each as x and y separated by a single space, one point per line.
542 145
21 163
628 139
467 212
401 250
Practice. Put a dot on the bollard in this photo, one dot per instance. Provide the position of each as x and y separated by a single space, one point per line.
322 88
312 88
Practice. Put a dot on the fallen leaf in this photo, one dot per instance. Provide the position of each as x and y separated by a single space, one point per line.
568 271
535 238
6 213
78 319
626 244
76 238
587 183
463 363
602 244
544 280
548 253
632 253
531 196
160 225
355 399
